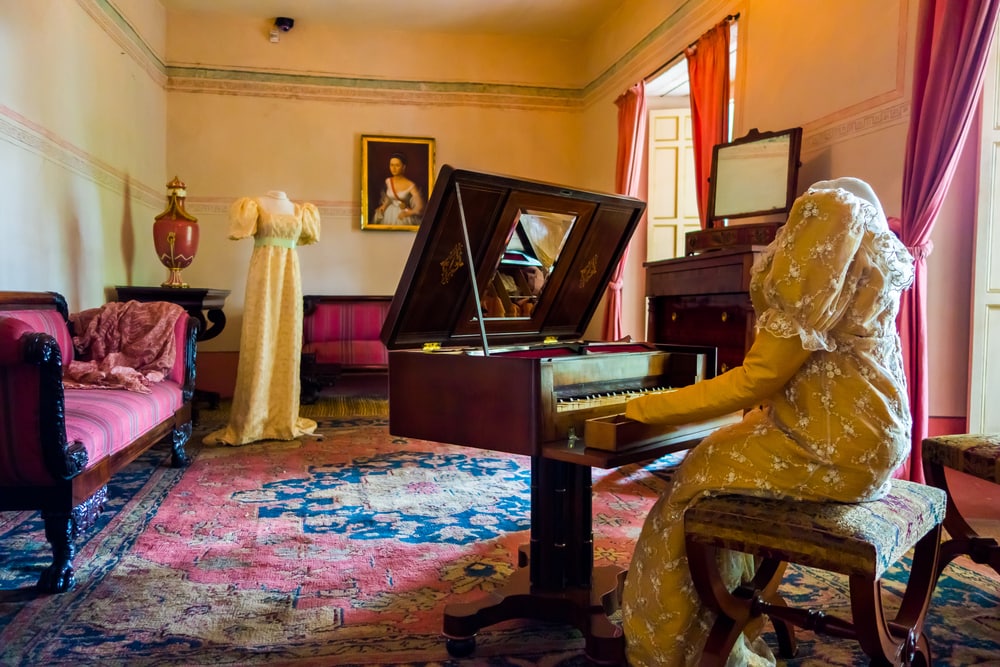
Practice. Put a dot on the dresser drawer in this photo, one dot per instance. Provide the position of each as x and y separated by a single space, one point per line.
723 321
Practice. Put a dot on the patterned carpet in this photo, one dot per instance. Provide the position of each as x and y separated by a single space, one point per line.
344 551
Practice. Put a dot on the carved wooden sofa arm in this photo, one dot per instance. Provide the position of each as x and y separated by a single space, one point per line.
59 446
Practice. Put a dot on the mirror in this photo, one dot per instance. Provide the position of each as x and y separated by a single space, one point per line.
754 175
533 246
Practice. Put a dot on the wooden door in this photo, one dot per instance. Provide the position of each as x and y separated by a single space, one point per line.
672 208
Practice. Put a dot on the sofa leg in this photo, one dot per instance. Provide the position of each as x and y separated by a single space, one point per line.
309 391
179 438
61 530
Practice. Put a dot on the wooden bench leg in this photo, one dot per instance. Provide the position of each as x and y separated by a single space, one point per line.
737 609
900 641
963 540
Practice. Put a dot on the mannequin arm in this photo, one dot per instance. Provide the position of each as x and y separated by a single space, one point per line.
769 365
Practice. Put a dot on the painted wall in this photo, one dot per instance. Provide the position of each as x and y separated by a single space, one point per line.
82 147
122 96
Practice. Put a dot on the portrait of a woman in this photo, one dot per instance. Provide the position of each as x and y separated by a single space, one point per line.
401 202
397 176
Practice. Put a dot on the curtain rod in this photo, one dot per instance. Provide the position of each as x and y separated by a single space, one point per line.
729 19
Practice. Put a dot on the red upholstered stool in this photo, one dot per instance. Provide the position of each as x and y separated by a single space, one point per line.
859 540
973 454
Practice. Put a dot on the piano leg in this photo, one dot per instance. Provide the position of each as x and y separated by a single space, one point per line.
560 583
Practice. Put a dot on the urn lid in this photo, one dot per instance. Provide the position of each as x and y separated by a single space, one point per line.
176 193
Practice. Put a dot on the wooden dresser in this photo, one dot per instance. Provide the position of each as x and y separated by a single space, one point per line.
703 300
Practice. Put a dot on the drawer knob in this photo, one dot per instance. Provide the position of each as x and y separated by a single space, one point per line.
723 368
725 316
673 316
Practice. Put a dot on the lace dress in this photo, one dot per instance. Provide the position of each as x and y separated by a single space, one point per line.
266 399
831 423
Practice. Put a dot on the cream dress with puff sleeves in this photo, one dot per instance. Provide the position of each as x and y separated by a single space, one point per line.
266 399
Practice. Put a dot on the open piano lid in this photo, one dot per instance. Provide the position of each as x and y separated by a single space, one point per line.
520 235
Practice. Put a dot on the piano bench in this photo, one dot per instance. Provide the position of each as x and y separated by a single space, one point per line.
858 540
973 454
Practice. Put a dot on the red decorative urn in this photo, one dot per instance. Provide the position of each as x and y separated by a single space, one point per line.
175 234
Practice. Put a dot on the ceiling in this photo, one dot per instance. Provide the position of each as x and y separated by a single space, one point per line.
560 19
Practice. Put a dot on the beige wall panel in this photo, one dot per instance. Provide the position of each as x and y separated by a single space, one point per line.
815 59
396 55
83 135
148 19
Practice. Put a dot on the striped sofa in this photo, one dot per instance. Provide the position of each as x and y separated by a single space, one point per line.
341 334
59 446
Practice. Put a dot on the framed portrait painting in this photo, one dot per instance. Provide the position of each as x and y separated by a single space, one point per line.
396 179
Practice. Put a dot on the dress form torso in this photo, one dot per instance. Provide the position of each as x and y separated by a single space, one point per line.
276 202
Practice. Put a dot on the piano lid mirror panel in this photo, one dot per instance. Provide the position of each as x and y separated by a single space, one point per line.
533 246
543 253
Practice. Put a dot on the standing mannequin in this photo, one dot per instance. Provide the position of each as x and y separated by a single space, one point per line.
266 399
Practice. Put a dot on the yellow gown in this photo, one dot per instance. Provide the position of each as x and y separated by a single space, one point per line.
828 414
266 398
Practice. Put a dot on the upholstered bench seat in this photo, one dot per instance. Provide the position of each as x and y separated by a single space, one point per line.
975 454
863 538
859 540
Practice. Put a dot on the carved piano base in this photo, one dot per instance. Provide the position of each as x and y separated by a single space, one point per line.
586 609
557 581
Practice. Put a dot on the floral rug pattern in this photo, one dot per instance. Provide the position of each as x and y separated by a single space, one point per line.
344 551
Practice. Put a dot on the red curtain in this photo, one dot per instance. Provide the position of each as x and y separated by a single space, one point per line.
708 75
628 167
953 40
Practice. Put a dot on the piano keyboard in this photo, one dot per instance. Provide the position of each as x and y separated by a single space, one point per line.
609 399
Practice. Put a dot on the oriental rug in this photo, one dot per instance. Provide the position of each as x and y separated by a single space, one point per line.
344 551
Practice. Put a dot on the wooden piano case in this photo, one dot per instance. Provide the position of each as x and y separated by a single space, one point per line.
484 350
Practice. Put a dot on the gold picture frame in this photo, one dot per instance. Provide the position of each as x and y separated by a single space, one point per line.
397 174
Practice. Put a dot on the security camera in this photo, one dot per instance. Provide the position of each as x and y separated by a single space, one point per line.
283 23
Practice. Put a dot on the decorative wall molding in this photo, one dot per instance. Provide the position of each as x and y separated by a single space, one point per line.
374 91
23 133
217 206
824 133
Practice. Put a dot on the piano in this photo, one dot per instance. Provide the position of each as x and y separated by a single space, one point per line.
484 337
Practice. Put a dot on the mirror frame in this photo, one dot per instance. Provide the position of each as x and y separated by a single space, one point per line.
791 164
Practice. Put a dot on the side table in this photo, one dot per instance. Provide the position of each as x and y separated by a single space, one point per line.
203 304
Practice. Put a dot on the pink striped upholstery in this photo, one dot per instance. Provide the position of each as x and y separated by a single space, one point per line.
180 335
50 322
106 420
19 389
350 352
346 333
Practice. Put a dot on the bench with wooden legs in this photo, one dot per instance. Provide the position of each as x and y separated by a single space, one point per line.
860 540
